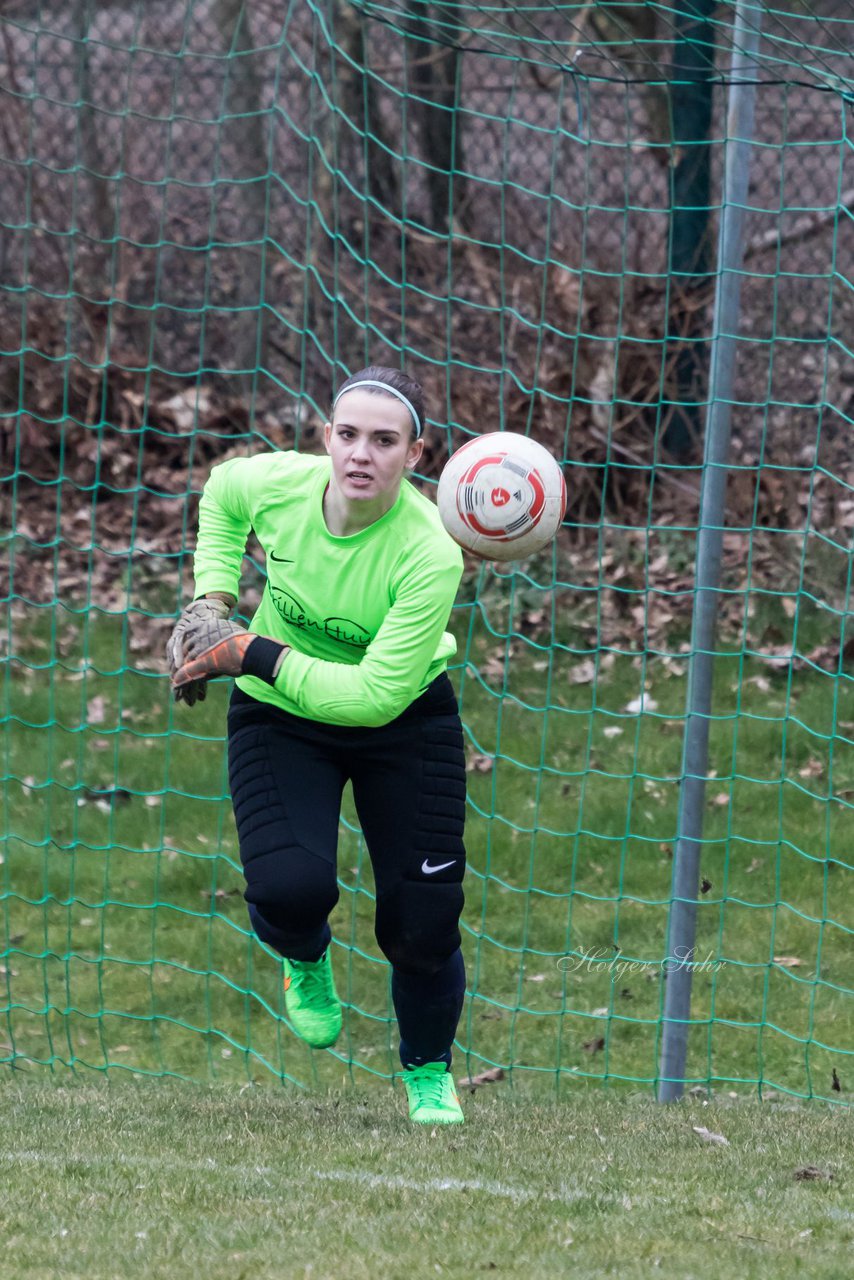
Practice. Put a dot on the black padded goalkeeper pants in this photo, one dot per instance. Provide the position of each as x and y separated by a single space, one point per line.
287 775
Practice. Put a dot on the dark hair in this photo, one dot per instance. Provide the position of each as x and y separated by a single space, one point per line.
401 382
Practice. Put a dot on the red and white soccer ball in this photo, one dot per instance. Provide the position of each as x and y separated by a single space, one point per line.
502 496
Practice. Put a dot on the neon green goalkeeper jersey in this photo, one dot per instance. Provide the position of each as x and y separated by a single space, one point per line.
365 615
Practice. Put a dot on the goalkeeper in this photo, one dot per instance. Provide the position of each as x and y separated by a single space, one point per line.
342 675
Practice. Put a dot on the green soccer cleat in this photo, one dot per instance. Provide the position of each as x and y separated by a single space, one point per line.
432 1096
312 1001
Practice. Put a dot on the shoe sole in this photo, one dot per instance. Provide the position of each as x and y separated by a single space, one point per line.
438 1120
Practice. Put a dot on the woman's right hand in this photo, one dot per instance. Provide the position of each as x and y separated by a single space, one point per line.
214 648
205 609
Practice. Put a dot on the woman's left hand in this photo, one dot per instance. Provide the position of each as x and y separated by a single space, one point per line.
215 647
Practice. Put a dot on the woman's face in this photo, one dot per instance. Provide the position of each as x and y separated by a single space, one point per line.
370 444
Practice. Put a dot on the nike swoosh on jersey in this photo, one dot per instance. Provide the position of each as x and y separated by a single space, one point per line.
429 871
280 559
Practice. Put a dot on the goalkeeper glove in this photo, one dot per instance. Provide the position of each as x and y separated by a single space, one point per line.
216 647
204 609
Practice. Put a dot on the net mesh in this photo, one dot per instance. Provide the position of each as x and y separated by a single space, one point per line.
210 213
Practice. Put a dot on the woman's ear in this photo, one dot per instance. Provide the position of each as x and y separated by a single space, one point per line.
414 456
327 435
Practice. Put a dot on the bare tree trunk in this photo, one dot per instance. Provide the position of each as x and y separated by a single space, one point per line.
243 156
434 82
103 213
359 101
691 93
633 35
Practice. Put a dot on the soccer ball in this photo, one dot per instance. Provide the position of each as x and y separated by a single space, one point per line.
502 496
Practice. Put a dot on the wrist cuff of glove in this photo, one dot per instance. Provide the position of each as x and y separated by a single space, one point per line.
261 657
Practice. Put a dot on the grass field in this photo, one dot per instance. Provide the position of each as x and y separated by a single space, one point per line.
142 1179
126 936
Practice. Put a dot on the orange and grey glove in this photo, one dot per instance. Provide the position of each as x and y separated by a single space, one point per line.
202 610
216 647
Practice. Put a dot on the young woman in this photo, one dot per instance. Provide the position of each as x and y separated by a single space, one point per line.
342 675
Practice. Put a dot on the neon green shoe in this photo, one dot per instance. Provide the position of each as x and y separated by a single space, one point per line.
312 1001
432 1096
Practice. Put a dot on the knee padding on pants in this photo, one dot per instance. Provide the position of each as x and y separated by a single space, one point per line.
417 924
293 889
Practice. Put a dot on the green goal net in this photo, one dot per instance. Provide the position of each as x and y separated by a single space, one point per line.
211 212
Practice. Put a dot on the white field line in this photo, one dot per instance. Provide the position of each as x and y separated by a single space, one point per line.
457 1185
388 1182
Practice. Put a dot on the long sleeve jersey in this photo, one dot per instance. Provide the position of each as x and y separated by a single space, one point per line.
365 615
